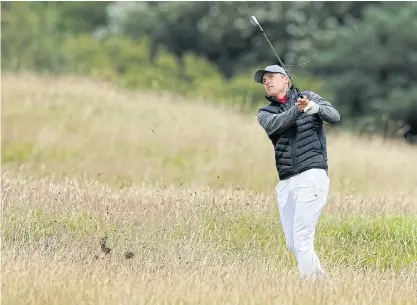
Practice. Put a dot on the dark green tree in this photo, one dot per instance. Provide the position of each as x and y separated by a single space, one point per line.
218 31
168 24
371 65
222 33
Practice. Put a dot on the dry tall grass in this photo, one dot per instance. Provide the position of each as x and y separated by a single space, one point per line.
190 193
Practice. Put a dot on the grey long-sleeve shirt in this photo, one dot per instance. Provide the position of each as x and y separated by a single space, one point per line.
276 123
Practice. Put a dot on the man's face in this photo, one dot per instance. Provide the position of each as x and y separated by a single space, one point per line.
275 83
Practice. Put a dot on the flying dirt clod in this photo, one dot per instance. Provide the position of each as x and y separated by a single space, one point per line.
103 246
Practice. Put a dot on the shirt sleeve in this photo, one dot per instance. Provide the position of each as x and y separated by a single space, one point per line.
275 123
327 111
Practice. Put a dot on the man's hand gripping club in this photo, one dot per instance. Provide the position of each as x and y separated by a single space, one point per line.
307 106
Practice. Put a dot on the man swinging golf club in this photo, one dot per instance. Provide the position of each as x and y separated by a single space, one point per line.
293 121
295 127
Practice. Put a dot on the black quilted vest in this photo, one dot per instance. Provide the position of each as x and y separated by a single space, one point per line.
300 147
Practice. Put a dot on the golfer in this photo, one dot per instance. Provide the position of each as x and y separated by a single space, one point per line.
295 128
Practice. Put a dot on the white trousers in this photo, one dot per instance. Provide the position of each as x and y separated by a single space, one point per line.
301 199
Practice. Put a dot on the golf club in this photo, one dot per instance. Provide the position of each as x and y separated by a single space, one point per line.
255 21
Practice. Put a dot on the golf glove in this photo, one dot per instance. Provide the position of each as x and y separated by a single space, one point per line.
312 108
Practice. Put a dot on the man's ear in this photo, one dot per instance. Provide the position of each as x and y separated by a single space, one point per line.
287 79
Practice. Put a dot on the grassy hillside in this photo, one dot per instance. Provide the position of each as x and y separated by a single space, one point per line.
188 188
77 126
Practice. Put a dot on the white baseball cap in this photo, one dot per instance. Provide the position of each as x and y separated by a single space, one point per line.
258 77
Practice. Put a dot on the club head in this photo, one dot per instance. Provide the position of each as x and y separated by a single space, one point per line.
253 20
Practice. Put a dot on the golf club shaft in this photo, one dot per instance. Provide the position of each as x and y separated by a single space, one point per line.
255 21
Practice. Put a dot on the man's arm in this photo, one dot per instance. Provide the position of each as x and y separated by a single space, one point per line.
326 110
276 123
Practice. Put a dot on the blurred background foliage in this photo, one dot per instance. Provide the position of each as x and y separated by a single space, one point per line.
364 54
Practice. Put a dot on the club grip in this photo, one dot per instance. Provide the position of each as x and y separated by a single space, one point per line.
298 93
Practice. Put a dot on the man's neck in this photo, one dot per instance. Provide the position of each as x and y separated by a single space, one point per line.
280 95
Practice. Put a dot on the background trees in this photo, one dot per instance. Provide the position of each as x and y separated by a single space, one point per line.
364 53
